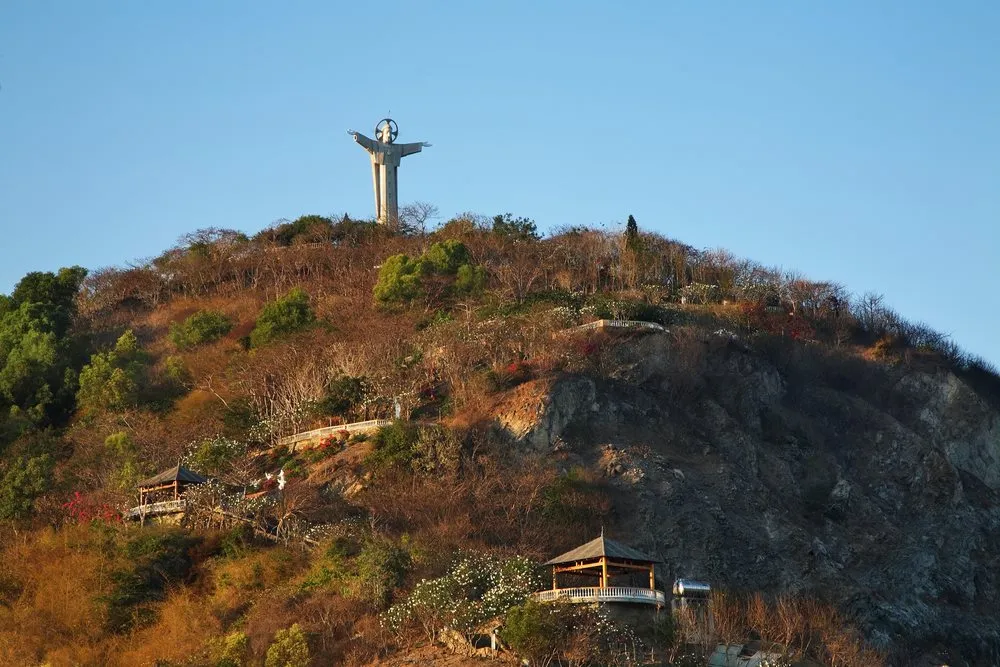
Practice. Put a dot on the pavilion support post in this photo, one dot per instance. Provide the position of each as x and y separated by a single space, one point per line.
652 577
604 572
176 494
555 582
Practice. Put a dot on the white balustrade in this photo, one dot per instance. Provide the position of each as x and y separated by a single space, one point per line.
318 433
609 594
154 509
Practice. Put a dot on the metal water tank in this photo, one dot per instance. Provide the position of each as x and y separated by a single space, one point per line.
689 588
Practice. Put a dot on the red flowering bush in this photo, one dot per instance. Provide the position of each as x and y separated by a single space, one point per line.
509 376
80 509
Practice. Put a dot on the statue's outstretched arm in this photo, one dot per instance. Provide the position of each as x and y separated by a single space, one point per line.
366 143
410 149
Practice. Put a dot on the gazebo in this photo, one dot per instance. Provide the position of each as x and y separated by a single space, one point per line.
604 559
166 490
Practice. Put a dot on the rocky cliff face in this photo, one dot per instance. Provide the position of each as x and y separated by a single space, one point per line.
794 471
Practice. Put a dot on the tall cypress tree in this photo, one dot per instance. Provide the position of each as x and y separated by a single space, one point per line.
631 234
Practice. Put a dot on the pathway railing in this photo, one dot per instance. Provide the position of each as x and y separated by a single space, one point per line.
291 441
609 594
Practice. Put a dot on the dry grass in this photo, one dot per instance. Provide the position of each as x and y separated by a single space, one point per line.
798 628
184 626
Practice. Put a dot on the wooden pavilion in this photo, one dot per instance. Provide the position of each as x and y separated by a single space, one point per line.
602 558
170 482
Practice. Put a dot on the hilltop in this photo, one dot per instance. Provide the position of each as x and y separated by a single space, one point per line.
771 434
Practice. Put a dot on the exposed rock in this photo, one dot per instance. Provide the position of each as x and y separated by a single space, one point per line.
880 495
537 412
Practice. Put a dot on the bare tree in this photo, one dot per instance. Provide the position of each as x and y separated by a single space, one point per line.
415 216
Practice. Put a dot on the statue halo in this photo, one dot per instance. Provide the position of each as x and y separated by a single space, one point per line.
393 129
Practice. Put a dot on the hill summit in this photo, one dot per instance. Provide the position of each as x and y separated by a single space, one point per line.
391 421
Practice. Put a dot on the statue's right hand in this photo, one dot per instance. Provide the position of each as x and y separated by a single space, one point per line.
351 132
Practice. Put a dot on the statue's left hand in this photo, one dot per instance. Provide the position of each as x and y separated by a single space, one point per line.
425 144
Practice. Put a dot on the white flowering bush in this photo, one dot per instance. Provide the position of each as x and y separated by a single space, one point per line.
563 316
700 293
477 588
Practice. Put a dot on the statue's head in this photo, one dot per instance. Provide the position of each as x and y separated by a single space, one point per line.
386 135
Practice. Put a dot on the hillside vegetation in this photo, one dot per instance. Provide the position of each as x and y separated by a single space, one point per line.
513 441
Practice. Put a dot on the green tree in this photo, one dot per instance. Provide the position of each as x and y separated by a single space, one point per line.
283 316
632 234
517 229
289 649
204 326
23 481
113 380
38 356
445 257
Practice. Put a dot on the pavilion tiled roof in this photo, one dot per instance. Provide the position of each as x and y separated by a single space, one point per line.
599 547
176 474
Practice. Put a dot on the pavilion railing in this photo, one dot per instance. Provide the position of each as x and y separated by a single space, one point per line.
357 427
609 594
155 509
616 324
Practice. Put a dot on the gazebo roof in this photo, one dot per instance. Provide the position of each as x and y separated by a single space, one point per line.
176 474
602 547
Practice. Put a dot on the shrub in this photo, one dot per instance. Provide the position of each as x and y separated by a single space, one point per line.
536 631
394 446
701 293
81 509
407 447
398 280
286 315
203 327
229 651
381 568
177 372
289 649
437 449
470 279
571 633
236 542
446 257
443 268
214 456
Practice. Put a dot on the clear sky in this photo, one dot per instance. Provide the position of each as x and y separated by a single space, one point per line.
856 141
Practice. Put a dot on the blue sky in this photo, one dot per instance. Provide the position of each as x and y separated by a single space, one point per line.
854 141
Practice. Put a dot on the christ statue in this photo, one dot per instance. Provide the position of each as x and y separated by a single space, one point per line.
385 155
